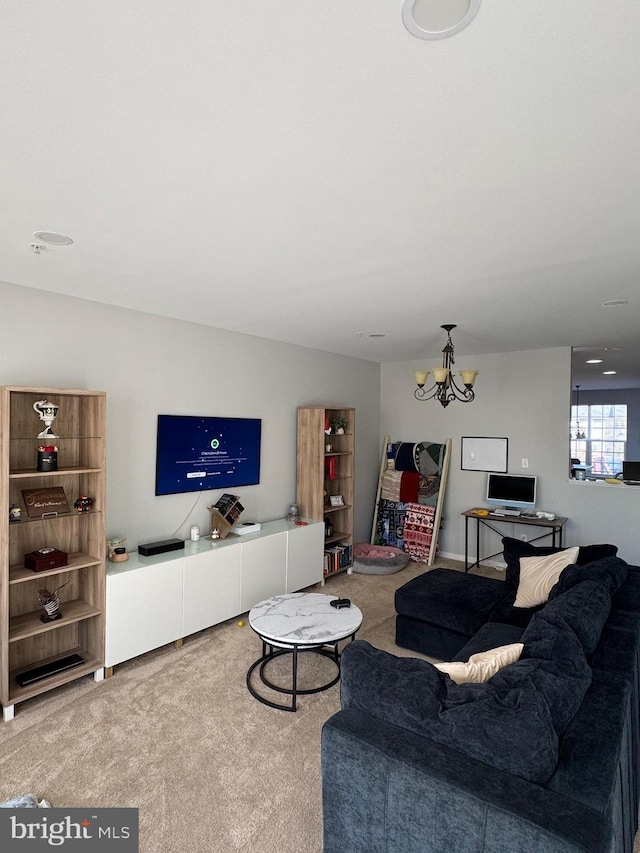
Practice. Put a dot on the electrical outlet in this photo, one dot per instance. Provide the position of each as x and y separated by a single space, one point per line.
523 536
525 463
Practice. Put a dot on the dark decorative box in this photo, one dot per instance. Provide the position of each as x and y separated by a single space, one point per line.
150 549
47 460
46 558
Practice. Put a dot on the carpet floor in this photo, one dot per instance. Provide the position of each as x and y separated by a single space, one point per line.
176 734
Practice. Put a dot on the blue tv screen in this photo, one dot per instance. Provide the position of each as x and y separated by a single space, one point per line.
198 453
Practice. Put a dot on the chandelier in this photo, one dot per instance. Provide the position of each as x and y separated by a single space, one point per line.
445 388
579 432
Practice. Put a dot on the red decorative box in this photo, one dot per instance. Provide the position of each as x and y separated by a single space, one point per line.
45 558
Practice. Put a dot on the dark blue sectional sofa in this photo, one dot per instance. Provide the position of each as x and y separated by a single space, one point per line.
542 758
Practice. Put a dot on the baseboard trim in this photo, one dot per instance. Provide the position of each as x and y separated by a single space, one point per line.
492 564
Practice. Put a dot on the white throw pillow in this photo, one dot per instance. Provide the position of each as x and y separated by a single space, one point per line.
483 665
539 574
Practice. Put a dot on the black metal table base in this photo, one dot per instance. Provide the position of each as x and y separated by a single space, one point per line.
269 653
554 530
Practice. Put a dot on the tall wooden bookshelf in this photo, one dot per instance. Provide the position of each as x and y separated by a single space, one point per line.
26 641
325 465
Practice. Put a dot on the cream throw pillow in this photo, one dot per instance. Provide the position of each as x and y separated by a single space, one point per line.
481 666
539 574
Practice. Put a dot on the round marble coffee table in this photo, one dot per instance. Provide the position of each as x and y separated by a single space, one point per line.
299 622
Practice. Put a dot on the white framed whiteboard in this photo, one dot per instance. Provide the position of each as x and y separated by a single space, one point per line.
484 454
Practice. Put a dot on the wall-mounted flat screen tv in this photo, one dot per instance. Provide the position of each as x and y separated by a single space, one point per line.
198 453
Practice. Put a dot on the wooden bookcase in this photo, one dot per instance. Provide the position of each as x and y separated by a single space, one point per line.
26 641
325 466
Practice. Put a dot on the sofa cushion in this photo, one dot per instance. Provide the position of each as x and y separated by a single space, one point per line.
488 637
513 549
451 599
628 596
509 729
538 575
561 690
619 646
385 685
585 608
595 743
610 572
505 612
481 666
429 639
554 662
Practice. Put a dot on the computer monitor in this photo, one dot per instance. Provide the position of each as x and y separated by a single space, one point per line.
511 491
631 472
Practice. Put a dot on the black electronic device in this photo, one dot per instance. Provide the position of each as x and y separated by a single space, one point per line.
151 549
339 603
631 472
30 676
512 492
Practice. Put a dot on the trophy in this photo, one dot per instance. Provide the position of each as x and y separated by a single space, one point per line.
47 412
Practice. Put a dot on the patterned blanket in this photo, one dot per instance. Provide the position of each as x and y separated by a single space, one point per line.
426 459
418 531
390 525
408 526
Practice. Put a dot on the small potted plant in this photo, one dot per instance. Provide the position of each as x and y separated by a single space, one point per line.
338 425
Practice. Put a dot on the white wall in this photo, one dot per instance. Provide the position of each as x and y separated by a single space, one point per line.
524 396
150 365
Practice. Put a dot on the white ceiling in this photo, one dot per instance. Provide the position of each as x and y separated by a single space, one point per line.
308 171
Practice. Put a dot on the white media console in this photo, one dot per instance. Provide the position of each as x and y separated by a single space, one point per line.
152 601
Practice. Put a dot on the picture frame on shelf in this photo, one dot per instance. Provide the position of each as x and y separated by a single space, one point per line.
336 500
